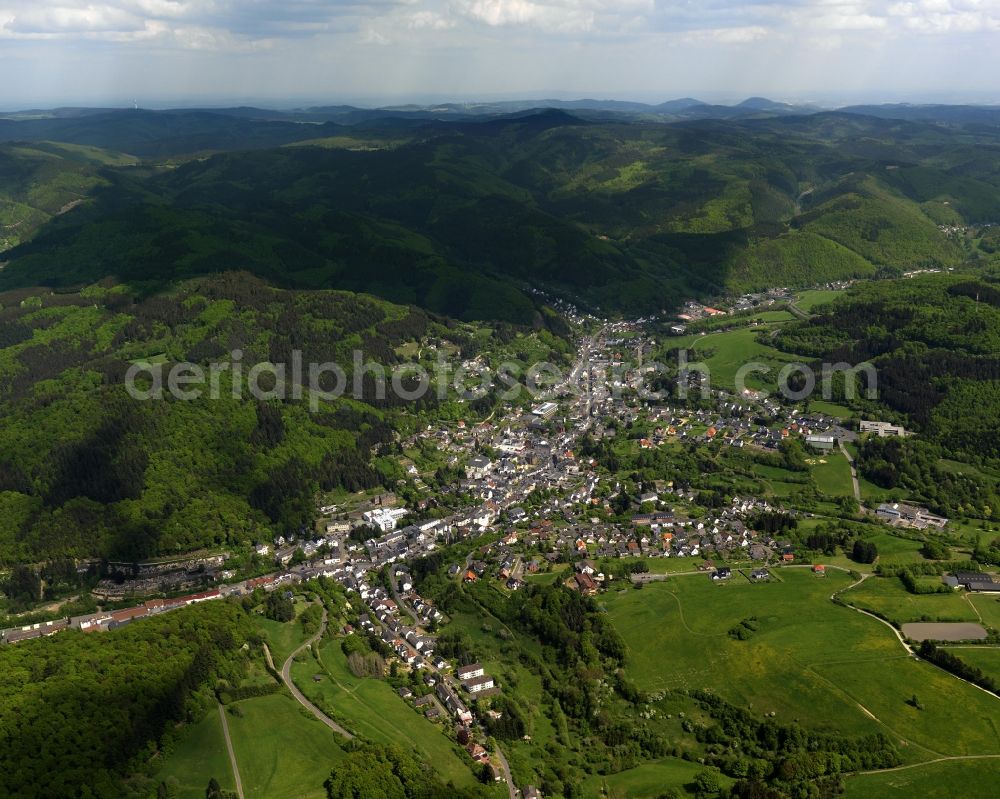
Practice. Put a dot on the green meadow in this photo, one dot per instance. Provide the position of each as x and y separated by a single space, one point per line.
811 661
969 779
725 353
648 779
887 597
371 709
199 754
283 638
282 751
832 473
894 549
808 300
984 658
954 718
988 608
830 409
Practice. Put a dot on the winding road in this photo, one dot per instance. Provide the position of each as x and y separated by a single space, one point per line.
286 678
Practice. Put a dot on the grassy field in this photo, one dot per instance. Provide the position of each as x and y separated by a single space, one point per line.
372 709
689 619
646 780
830 409
199 755
888 597
832 473
986 658
955 719
811 660
283 638
808 300
969 779
893 549
725 353
989 609
282 752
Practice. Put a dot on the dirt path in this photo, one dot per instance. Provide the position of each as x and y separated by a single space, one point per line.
232 754
902 640
505 767
931 762
286 678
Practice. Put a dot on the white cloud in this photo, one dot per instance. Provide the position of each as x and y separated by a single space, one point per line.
743 35
562 16
429 20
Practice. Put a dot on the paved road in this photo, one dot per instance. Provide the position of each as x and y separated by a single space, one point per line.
232 754
401 604
854 471
286 678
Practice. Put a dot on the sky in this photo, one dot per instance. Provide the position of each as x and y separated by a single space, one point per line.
292 52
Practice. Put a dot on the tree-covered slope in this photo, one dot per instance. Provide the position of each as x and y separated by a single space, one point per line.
41 180
86 470
466 217
935 342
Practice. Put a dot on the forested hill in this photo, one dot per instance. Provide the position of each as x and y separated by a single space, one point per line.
935 342
87 471
463 218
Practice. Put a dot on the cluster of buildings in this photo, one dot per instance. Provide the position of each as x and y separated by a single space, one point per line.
899 514
106 620
975 582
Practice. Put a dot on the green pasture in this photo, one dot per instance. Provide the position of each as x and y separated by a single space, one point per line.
198 755
811 661
968 779
371 708
282 751
887 597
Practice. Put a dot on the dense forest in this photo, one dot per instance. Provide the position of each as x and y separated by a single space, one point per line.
934 341
914 468
79 711
462 218
88 471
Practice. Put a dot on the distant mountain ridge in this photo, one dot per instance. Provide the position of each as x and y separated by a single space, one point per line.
191 131
467 217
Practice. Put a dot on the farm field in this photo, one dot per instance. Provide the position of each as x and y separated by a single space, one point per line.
677 634
970 779
646 780
811 661
887 597
371 708
199 754
282 752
